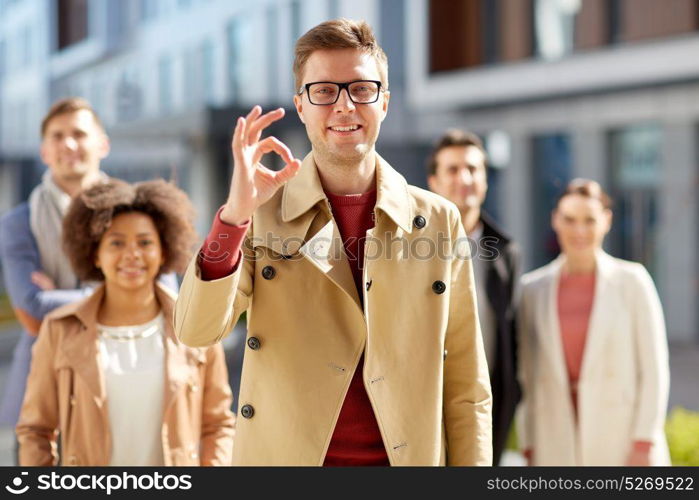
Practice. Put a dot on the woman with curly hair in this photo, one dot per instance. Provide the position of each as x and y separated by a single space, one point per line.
108 374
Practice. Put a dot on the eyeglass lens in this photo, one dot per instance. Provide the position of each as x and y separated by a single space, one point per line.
328 93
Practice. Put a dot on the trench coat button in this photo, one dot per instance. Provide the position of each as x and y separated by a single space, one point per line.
368 284
445 354
72 400
254 343
194 455
419 221
193 387
439 287
268 272
247 411
72 460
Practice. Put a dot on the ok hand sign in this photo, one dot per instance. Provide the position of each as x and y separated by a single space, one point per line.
253 183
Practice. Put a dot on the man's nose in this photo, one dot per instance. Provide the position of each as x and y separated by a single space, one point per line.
344 103
70 143
466 176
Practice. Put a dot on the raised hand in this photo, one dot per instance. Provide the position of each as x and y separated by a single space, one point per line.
252 183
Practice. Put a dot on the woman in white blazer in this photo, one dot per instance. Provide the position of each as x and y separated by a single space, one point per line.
593 351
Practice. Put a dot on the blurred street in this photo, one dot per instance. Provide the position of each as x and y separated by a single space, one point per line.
684 366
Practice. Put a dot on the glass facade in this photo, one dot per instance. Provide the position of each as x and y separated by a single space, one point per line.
552 169
635 176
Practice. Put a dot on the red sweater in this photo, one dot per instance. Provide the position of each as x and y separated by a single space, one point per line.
356 439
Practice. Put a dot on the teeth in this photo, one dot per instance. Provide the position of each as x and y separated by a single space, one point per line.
345 129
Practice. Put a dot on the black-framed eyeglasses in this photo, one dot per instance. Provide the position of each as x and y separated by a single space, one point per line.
327 93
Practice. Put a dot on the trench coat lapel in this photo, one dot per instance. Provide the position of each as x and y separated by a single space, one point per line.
326 252
602 312
81 346
175 352
552 333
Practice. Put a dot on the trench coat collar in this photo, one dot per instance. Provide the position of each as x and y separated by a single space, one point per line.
305 190
601 312
82 348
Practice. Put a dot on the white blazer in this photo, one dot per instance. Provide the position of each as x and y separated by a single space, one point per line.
624 379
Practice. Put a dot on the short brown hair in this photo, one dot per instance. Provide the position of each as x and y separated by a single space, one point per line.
339 34
451 138
92 211
587 188
68 105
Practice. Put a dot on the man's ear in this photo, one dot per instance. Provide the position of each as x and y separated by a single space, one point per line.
42 153
432 182
384 106
298 104
105 146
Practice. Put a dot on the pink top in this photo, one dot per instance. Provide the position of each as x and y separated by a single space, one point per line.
576 292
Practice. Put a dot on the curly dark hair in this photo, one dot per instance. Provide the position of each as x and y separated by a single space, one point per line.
92 211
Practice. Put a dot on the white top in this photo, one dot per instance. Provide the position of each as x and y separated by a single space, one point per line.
133 363
486 314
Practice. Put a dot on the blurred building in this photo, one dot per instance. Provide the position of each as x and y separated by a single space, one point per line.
607 89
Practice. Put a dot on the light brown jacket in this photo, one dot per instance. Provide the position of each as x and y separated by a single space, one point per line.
424 370
66 394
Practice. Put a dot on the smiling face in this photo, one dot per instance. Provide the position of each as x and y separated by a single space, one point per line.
73 146
130 253
460 176
581 224
343 133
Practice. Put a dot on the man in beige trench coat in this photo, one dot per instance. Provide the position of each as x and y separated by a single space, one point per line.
363 342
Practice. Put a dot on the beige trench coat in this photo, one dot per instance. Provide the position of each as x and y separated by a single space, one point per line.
425 371
66 392
625 374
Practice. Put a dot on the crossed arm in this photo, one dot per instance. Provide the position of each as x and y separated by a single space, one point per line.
20 261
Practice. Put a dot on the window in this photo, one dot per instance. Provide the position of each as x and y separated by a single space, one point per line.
554 22
498 147
208 70
334 9
635 161
239 65
471 33
272 52
72 22
191 77
3 57
295 21
165 84
97 95
455 35
149 10
26 46
614 23
128 96
551 171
